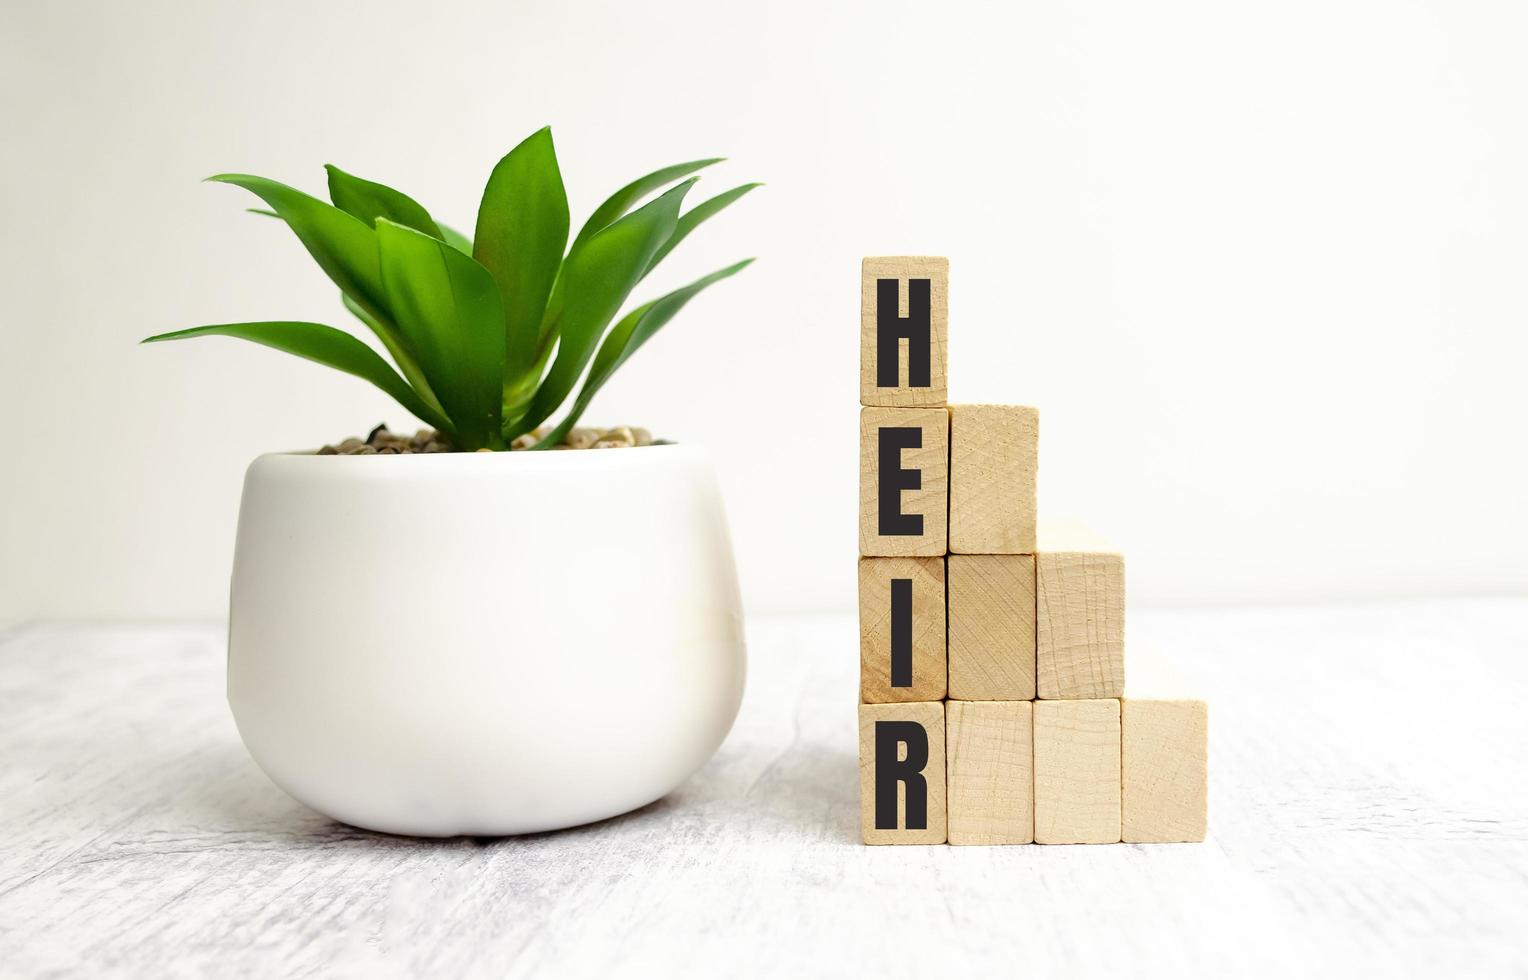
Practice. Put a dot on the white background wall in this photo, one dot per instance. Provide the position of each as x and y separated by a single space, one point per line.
1262 266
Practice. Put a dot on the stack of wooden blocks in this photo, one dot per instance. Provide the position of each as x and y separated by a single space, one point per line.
993 701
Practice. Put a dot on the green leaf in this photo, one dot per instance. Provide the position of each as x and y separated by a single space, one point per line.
692 218
391 339
634 330
357 311
343 246
327 346
456 239
346 249
599 276
518 395
522 227
448 307
448 234
621 201
369 201
613 208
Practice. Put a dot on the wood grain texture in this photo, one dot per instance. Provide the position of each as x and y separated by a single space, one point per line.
1164 764
1077 772
1079 615
994 452
990 769
1365 826
992 627
929 716
926 579
926 468
904 268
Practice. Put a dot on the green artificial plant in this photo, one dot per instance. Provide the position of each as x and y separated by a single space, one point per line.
490 335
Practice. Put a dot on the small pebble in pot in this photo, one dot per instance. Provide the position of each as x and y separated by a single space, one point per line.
582 438
380 441
530 439
618 438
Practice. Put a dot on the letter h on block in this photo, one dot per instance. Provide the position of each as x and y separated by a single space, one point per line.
903 307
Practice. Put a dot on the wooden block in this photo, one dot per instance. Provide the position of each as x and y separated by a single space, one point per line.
902 633
904 326
902 788
994 450
992 627
990 763
1164 753
1079 615
904 481
1165 760
1077 772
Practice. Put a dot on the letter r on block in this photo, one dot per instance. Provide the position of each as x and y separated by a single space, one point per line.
891 737
902 773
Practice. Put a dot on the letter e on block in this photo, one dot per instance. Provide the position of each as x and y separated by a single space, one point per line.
902 781
904 481
904 326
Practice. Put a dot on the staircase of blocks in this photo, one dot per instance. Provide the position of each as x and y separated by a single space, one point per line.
994 702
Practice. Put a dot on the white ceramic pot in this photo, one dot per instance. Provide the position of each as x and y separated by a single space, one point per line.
483 643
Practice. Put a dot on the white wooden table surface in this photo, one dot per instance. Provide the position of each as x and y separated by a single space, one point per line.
1369 816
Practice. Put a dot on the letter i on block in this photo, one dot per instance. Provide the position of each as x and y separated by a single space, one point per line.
902 629
902 783
904 326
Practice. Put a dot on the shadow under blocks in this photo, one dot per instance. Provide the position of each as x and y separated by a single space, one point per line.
994 707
